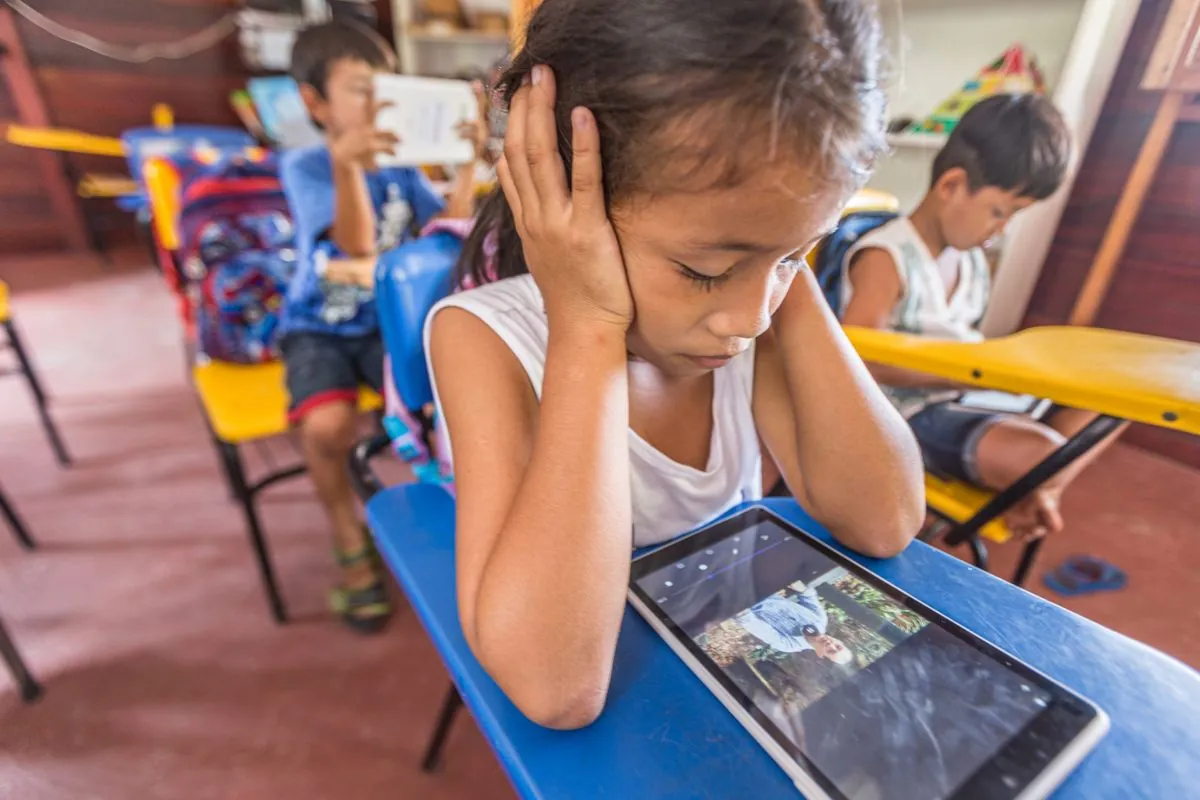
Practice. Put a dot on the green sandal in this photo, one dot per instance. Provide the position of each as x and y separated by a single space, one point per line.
367 608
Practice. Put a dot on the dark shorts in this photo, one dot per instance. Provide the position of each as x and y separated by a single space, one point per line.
324 369
949 435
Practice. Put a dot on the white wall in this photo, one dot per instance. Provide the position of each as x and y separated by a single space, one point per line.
936 45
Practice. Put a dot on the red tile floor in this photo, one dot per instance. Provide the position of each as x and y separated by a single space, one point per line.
142 612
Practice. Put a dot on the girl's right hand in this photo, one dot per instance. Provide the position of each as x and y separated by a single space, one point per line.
569 242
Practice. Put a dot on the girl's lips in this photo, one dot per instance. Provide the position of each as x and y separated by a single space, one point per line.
710 362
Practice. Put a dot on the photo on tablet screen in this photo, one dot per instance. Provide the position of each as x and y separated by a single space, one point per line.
804 640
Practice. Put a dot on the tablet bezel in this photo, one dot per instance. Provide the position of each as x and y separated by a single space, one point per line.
1038 757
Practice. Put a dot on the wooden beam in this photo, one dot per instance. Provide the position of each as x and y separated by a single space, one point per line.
1116 236
31 110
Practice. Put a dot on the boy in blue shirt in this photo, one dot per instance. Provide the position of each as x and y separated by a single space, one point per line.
347 211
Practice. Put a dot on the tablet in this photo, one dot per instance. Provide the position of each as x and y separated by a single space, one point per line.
425 114
855 689
1001 402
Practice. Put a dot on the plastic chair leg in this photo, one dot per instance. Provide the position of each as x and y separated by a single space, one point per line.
30 689
245 496
16 523
39 395
450 708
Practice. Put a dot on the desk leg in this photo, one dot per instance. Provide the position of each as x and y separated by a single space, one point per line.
1077 447
39 395
245 496
450 709
18 526
30 690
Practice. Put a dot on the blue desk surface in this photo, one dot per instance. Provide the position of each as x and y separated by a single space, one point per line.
663 735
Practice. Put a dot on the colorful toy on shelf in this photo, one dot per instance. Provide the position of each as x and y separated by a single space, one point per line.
1015 71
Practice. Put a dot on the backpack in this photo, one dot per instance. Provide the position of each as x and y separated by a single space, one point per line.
829 255
236 254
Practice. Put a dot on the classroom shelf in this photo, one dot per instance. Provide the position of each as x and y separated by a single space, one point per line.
456 37
918 141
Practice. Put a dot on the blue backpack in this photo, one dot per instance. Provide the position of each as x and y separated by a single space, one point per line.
831 253
236 254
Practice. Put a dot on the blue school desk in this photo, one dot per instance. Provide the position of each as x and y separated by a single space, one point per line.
663 736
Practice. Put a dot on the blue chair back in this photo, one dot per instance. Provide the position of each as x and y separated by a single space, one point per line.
142 143
828 261
408 282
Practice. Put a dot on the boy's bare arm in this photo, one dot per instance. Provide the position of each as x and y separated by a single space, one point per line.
877 290
352 271
353 154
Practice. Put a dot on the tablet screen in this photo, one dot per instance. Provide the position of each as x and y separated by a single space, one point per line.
880 700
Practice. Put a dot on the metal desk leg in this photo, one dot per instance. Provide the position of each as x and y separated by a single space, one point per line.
245 496
450 708
30 689
39 395
1078 446
14 521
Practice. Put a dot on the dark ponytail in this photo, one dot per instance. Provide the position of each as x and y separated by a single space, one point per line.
692 95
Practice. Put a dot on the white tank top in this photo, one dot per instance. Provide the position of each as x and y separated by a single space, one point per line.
923 307
669 498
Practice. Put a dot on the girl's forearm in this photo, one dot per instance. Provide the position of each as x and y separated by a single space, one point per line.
860 462
552 595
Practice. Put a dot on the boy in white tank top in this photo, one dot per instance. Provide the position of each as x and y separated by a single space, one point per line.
926 274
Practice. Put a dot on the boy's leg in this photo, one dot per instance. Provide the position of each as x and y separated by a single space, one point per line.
323 385
994 450
1069 422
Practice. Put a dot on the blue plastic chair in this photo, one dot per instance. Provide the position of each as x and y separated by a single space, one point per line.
143 143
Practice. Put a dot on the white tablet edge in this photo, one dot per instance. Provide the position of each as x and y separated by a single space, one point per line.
1040 787
803 781
1066 761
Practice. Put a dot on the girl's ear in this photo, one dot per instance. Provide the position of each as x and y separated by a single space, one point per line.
316 105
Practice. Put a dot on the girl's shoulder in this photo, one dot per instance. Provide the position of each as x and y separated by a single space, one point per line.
514 311
516 301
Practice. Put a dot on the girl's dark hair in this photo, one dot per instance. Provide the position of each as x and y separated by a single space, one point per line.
685 91
1015 142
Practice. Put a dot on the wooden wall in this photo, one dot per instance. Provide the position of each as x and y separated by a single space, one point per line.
90 92
1157 285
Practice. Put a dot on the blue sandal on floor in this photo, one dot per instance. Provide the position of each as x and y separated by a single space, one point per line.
1084 575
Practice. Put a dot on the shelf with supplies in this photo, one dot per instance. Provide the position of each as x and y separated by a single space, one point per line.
917 141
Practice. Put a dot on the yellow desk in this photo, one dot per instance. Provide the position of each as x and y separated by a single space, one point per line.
1120 376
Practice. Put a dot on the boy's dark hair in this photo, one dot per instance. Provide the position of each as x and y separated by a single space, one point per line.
691 93
317 47
1015 142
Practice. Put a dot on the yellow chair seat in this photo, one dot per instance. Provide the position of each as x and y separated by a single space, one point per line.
249 401
958 502
3 302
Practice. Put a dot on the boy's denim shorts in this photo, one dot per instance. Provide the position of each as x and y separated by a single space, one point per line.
949 435
324 368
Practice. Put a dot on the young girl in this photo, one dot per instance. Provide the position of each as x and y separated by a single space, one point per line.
647 321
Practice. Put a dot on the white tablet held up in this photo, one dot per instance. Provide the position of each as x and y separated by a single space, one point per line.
425 114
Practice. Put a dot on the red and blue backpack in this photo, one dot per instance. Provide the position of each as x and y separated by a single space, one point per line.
236 253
